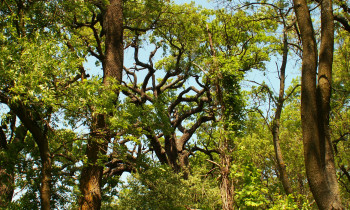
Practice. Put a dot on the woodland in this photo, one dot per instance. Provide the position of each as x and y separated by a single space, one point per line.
155 104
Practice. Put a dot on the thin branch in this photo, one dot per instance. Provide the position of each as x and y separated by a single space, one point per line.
215 163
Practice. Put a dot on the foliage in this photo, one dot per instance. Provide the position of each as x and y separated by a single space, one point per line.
160 188
340 114
181 62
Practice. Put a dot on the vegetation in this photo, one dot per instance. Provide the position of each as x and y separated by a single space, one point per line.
243 106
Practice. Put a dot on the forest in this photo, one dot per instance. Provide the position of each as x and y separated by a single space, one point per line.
161 104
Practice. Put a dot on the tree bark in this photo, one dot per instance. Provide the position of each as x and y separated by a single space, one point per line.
226 184
46 175
324 93
315 106
114 52
91 176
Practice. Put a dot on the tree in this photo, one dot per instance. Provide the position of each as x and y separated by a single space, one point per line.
315 105
36 68
176 114
112 62
12 139
176 110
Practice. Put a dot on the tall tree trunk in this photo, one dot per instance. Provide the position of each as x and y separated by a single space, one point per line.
281 166
91 176
324 93
225 147
315 106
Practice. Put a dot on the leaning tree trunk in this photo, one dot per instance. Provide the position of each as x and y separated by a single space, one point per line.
40 137
315 105
281 166
91 176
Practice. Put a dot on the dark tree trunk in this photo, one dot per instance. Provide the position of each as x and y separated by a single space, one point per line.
46 175
91 176
315 105
172 151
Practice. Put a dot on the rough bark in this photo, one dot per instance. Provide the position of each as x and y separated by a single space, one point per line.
91 176
315 106
276 124
114 52
226 184
324 94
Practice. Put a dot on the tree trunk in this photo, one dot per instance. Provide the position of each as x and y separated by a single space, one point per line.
324 94
172 151
40 137
226 184
315 106
177 155
45 188
281 166
114 53
91 175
